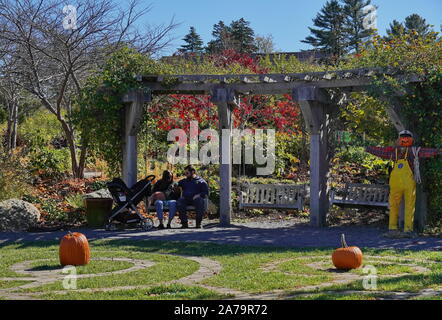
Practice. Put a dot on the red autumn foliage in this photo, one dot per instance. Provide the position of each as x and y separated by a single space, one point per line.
254 111
230 56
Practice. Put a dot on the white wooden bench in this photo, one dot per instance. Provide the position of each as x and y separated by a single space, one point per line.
272 196
358 194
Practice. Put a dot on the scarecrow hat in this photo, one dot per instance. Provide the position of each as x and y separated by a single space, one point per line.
405 133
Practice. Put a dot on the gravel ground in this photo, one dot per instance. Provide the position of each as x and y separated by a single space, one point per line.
270 233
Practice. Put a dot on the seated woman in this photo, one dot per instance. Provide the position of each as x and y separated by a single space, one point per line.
164 195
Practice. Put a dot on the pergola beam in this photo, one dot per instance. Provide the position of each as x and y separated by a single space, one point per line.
245 86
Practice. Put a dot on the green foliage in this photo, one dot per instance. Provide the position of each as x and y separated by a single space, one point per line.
364 159
76 201
238 36
53 212
409 53
289 64
50 162
365 114
421 55
3 115
98 185
289 150
426 122
40 128
38 131
329 32
413 22
14 176
354 30
193 41
99 107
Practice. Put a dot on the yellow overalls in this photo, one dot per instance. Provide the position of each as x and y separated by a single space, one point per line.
402 184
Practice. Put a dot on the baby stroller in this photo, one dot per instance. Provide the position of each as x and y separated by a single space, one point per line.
126 213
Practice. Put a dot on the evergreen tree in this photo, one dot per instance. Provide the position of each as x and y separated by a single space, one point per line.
238 36
412 22
396 30
193 41
221 38
417 23
243 36
329 34
354 30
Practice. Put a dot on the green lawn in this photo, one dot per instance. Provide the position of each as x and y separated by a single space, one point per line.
251 270
165 292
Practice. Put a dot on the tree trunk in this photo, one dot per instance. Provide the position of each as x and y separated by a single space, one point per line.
8 133
83 155
11 131
14 126
70 137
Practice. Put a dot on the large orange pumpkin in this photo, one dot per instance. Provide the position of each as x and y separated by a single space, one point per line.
74 250
347 258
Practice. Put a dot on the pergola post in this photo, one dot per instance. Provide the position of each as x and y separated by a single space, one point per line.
134 106
224 99
313 102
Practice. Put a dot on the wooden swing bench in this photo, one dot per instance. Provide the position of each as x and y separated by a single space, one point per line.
358 194
272 196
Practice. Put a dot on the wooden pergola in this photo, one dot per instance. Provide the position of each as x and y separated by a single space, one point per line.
315 92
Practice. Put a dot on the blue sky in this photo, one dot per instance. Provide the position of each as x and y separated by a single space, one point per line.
286 20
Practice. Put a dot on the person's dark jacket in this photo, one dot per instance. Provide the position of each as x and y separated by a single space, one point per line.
194 186
167 187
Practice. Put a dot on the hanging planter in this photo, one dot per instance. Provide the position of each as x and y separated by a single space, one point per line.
347 258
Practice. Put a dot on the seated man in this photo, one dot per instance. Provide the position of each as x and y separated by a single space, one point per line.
194 191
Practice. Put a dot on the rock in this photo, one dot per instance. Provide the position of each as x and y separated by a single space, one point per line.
18 215
102 193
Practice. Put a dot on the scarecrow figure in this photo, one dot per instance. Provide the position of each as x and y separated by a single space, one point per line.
403 178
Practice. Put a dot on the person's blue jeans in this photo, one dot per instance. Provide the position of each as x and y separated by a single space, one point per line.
161 204
198 203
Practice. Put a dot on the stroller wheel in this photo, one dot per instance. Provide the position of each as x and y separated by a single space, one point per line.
146 224
111 227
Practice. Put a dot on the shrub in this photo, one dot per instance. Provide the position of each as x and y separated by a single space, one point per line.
49 162
98 185
40 129
3 115
53 212
76 201
14 176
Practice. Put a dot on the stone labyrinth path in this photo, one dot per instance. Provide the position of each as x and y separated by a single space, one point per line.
208 268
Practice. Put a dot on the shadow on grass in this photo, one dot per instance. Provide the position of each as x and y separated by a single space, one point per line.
45 268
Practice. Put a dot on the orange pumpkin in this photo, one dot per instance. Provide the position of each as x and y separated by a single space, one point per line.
347 258
74 250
